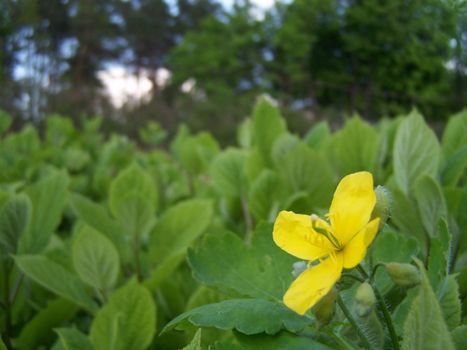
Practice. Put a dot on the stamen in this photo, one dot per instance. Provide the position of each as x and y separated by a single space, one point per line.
315 222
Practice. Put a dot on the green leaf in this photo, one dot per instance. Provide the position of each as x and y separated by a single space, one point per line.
73 339
262 271
318 136
55 278
425 328
268 125
263 194
249 316
195 344
455 134
227 172
179 227
95 259
450 302
96 216
14 217
416 152
2 345
454 168
440 253
431 203
38 330
48 198
459 336
282 341
127 321
355 147
133 200
307 170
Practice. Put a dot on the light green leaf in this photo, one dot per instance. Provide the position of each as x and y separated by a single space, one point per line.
416 152
179 227
127 321
227 172
262 271
73 339
96 216
454 168
95 259
355 147
268 125
14 217
450 302
307 170
439 255
133 200
318 136
195 344
431 203
263 194
55 278
455 134
248 316
48 198
40 328
425 328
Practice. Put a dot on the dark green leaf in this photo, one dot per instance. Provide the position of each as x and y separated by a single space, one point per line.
73 339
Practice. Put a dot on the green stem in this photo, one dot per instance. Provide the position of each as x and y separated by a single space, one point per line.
352 321
361 280
373 272
248 219
384 310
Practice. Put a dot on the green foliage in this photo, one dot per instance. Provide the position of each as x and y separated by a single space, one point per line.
248 316
72 339
127 320
95 259
424 320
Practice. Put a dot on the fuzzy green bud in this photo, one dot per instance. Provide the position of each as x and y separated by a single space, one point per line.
365 299
324 310
403 275
382 209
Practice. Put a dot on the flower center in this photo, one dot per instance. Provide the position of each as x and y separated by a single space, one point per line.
322 230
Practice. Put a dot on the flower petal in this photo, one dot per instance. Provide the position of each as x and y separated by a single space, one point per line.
352 205
355 250
294 234
313 284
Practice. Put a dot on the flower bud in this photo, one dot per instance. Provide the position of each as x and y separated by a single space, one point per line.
298 268
403 275
364 299
382 208
324 310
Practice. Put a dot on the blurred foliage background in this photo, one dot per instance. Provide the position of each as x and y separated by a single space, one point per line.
204 62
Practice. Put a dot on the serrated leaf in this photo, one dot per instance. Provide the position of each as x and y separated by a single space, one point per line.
14 217
95 259
48 197
126 321
416 152
248 316
55 278
73 339
450 302
225 261
227 172
431 203
425 328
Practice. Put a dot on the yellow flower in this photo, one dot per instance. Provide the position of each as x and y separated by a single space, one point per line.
341 243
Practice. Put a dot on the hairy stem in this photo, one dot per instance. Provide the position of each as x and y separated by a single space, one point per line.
384 309
354 323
